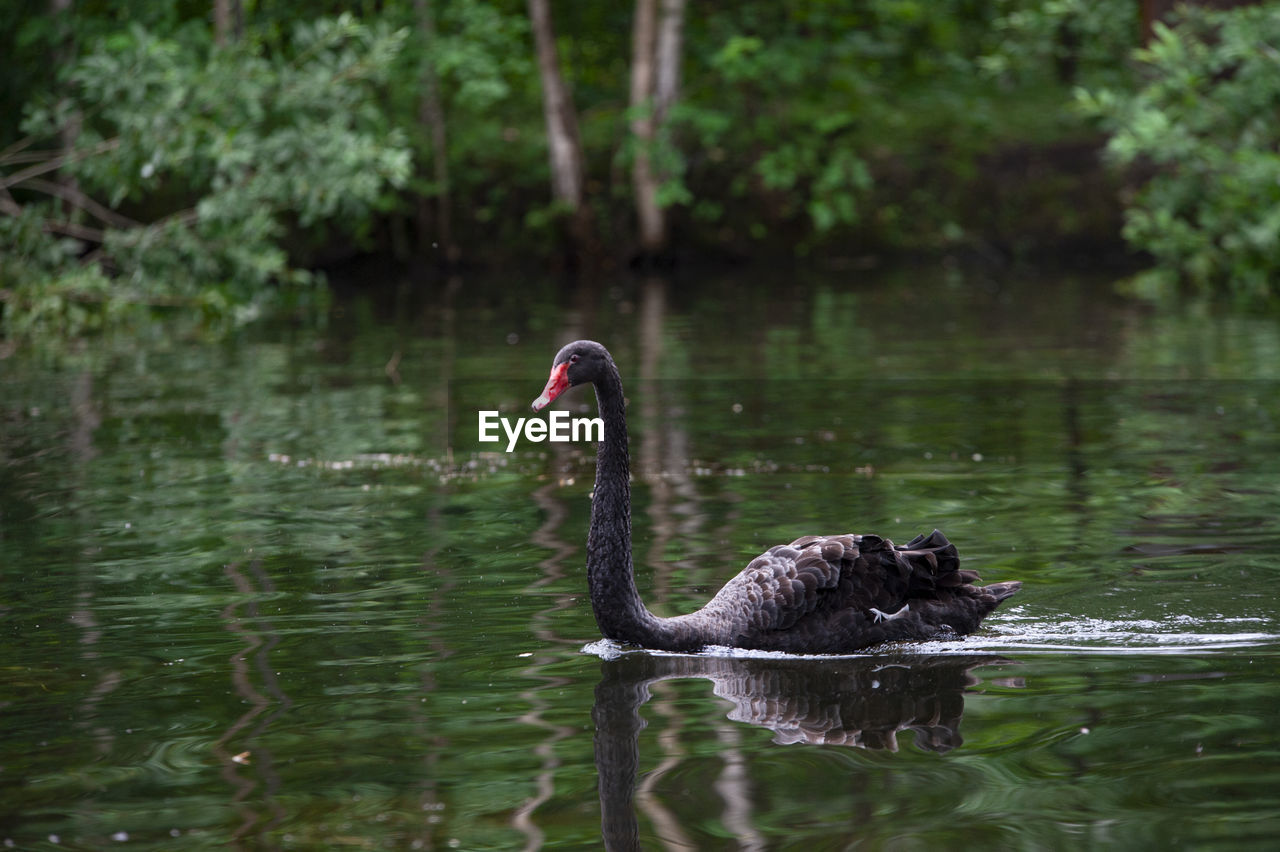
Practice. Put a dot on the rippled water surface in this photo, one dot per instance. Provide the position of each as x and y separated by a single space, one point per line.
274 593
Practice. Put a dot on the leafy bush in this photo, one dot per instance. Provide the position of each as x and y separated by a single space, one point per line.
1207 122
214 153
843 123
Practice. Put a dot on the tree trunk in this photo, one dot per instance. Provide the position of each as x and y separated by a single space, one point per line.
431 114
567 165
221 22
228 22
63 54
655 87
670 48
643 124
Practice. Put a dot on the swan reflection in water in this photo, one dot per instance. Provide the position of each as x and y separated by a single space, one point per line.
861 702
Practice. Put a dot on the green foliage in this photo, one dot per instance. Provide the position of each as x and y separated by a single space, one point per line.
45 290
798 151
832 119
221 151
808 125
1207 122
1066 38
483 57
481 54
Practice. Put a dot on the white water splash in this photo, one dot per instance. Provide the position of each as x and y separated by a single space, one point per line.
1018 631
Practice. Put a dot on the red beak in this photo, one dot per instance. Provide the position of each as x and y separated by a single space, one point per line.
556 385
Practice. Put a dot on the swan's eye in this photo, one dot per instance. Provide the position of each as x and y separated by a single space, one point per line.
573 359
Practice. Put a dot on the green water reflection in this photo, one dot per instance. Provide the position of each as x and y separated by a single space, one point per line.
274 594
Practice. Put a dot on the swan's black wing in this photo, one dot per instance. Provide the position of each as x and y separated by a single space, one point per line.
833 594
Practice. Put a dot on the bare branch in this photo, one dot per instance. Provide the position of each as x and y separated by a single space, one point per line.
39 155
71 195
17 146
7 204
186 216
80 232
59 161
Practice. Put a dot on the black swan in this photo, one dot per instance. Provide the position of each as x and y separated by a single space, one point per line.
817 595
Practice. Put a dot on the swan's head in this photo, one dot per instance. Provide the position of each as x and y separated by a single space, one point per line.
579 363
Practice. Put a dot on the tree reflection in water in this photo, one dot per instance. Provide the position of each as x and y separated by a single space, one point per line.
862 702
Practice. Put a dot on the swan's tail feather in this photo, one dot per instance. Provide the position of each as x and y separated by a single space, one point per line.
939 554
1001 591
953 579
935 565
930 566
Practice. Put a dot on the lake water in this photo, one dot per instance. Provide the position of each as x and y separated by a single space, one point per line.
274 594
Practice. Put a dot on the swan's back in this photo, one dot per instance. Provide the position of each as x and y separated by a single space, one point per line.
837 594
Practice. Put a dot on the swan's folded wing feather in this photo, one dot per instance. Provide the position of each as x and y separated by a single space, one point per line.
785 583
835 594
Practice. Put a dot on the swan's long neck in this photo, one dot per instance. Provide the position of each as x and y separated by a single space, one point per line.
618 609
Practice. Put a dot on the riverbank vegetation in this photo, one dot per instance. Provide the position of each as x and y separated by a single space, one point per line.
212 158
